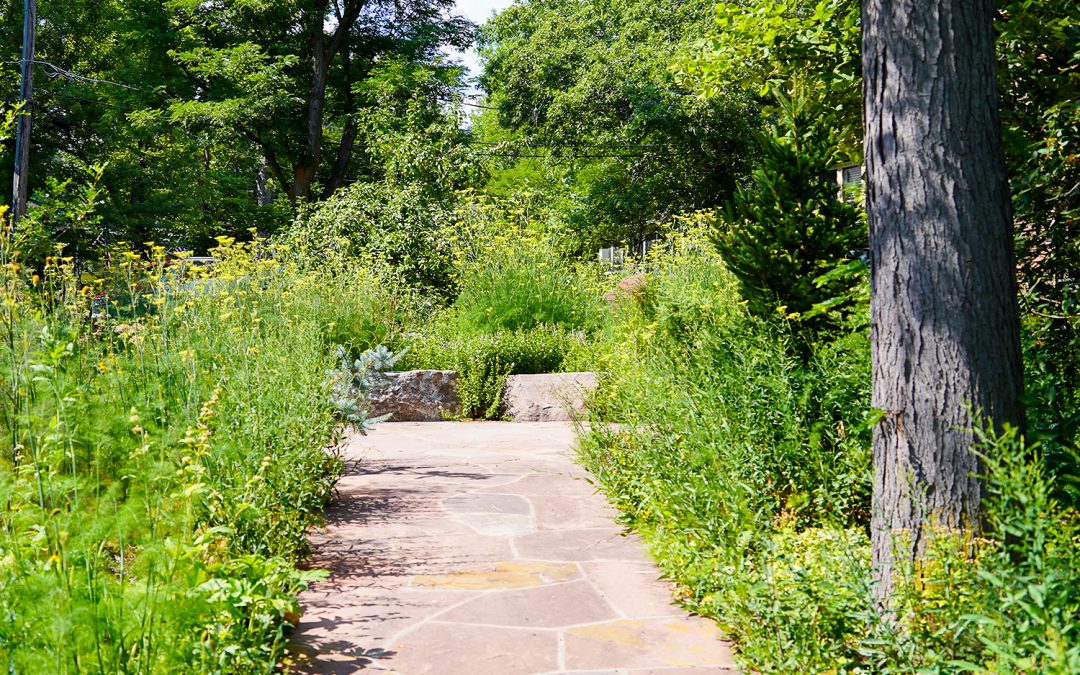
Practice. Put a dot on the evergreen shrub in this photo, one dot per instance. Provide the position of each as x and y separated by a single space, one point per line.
791 242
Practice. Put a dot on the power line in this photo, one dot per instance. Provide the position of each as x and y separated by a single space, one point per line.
442 99
57 71
84 100
477 105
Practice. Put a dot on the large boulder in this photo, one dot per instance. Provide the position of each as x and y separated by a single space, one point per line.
416 396
552 397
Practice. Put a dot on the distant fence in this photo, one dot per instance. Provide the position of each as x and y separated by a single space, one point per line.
616 257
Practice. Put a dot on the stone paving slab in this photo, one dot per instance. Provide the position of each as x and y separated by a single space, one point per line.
480 548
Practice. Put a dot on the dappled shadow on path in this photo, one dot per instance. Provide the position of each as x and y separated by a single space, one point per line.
412 471
387 522
335 658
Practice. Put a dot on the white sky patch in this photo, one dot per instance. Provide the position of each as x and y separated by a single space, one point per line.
477 11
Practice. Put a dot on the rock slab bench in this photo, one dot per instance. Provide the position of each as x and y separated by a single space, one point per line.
431 395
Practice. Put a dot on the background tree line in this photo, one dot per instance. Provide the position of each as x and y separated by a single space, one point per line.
213 118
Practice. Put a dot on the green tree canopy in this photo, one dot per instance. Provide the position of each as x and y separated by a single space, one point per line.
187 102
585 84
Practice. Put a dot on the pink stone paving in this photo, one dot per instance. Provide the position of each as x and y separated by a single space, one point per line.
480 548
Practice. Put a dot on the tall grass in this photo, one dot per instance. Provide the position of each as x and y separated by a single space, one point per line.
161 461
745 463
514 273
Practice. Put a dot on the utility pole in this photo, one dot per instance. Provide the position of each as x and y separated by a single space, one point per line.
22 132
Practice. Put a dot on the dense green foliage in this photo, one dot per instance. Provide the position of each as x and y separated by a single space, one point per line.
522 304
164 181
586 85
1039 45
780 51
514 272
746 468
210 118
788 235
404 215
159 469
164 445
1014 606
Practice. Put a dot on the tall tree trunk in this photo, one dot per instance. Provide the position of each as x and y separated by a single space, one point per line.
308 162
945 326
323 50
264 193
341 164
340 43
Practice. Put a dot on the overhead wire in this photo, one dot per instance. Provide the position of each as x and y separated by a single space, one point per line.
57 71
82 99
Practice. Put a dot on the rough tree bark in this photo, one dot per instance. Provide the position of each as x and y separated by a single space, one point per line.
323 49
945 326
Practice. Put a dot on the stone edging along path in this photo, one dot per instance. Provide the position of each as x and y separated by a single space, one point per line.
479 548
431 396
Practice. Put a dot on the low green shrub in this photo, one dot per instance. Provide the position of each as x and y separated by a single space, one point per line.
1007 602
787 235
693 376
392 225
797 604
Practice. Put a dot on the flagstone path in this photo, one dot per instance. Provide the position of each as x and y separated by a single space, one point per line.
480 548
